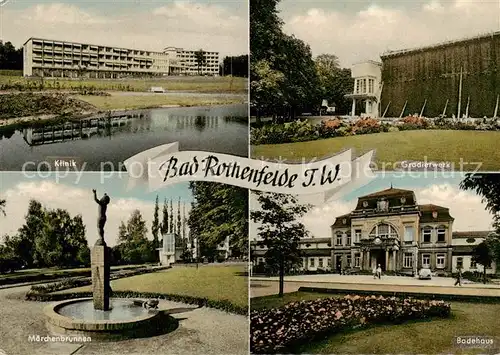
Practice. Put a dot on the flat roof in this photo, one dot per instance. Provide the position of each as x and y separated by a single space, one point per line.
441 44
90 44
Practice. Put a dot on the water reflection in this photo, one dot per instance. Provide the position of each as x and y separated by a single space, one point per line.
116 137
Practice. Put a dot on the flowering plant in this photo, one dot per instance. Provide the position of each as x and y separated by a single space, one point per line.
279 329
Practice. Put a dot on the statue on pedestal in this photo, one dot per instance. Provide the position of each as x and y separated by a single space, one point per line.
101 219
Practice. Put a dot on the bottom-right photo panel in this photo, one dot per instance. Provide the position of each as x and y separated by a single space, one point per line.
406 263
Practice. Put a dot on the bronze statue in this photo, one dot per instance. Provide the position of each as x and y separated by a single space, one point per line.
101 219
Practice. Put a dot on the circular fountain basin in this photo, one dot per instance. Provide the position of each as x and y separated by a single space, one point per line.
123 320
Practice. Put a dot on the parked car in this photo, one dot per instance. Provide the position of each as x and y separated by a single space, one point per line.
425 274
157 89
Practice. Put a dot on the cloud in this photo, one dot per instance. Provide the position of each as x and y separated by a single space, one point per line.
61 14
369 32
76 201
180 24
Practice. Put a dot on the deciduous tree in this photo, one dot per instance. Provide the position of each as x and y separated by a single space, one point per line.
280 230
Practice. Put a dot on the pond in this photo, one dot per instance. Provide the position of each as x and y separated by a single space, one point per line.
104 142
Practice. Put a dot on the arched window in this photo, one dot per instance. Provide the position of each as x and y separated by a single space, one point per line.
383 230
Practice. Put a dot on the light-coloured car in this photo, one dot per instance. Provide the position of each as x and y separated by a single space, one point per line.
425 274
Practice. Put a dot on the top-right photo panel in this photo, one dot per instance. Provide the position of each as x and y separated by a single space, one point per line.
413 85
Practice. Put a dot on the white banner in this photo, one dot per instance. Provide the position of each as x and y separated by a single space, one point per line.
165 165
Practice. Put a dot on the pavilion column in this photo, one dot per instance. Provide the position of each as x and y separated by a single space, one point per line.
394 260
386 259
353 111
368 260
362 260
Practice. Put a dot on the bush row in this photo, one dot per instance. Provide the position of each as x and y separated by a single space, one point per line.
418 295
223 305
299 131
280 329
79 282
42 277
39 85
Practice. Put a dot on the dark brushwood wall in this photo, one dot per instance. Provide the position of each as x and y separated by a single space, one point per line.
433 73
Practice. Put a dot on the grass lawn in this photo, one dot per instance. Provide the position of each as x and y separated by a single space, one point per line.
392 147
173 83
212 282
116 102
423 337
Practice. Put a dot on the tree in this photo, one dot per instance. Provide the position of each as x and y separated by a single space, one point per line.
327 63
164 221
3 203
29 232
334 82
482 254
218 212
488 187
235 66
61 241
201 59
155 227
134 246
287 58
280 230
10 57
171 216
179 219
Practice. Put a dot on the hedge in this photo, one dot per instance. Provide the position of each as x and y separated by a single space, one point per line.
419 295
42 277
223 305
72 283
279 330
299 131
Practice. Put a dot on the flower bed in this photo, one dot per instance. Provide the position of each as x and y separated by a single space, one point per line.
279 329
300 131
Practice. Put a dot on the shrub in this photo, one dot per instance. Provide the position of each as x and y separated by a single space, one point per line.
366 126
280 329
79 282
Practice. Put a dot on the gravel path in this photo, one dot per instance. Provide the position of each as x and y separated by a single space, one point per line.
264 287
200 331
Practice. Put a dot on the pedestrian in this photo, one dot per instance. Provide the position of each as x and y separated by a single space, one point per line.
459 277
374 272
379 271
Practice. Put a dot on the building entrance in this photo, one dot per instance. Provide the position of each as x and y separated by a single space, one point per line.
378 258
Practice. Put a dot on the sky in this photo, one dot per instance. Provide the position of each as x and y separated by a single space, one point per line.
74 194
465 206
362 29
220 25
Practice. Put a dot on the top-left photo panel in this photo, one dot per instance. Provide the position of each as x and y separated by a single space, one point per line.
86 86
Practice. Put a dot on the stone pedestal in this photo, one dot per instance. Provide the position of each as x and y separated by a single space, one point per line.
100 276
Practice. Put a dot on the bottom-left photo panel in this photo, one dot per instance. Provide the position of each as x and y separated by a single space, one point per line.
90 265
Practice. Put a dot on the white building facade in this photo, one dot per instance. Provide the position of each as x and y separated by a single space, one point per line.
52 58
367 89
389 228
463 244
189 64
167 251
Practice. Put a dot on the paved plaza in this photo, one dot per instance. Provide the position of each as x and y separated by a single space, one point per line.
200 331
263 286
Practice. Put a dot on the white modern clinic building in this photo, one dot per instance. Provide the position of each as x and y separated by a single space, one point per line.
52 58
